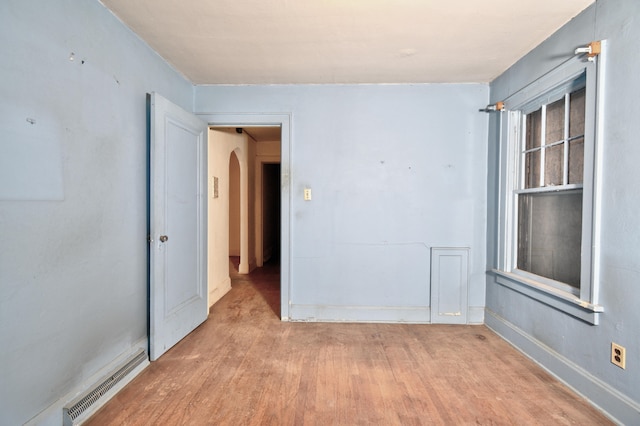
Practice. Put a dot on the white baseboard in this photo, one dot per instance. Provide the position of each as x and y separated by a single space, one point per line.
400 314
219 290
329 313
612 403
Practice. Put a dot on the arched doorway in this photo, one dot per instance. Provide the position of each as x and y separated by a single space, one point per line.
235 242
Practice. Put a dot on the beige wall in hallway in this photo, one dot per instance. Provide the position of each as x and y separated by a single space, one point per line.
234 205
222 143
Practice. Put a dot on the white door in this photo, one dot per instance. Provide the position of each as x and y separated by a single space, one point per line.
178 254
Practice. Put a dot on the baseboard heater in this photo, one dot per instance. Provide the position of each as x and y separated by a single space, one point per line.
73 413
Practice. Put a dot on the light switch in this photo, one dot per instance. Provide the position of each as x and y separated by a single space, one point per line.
307 194
214 191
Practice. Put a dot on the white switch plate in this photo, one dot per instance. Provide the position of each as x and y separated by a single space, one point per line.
307 194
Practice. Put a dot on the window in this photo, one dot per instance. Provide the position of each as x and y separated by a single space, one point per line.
548 190
549 195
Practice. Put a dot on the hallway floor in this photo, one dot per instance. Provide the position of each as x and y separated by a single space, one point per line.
245 367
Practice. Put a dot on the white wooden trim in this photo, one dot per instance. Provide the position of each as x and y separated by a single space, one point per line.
285 121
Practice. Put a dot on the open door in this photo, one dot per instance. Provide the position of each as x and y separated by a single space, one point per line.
178 220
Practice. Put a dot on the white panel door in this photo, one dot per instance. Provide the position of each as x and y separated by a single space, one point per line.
178 255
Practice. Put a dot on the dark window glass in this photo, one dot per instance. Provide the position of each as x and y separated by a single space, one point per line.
534 129
550 235
550 222
532 169
576 113
576 160
553 170
554 131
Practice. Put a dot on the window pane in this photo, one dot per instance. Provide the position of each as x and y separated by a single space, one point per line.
550 235
576 113
553 165
534 126
532 169
555 122
576 160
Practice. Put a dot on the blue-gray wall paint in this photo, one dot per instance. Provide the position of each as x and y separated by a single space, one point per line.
73 271
394 170
575 351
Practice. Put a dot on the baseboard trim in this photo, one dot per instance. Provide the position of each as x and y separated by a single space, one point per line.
332 313
253 264
618 407
383 314
475 315
220 290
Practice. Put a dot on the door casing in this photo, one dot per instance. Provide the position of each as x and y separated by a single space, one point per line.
283 120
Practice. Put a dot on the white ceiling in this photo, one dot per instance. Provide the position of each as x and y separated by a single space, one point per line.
343 41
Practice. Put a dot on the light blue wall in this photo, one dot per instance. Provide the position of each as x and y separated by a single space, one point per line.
394 170
73 257
575 351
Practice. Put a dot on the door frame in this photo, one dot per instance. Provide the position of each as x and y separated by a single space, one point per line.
283 120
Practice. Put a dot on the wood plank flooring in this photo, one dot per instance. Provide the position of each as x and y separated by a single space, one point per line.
245 367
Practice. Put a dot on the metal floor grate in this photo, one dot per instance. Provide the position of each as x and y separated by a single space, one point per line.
85 401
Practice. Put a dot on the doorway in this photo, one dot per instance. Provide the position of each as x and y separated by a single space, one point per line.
234 207
271 213
267 161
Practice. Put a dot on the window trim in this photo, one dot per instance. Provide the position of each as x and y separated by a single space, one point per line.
582 304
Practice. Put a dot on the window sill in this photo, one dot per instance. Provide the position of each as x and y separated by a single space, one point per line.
558 299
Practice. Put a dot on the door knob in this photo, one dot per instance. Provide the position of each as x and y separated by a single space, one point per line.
163 238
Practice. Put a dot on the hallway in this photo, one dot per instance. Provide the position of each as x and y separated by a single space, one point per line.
245 367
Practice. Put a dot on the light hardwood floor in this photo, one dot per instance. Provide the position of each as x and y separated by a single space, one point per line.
245 367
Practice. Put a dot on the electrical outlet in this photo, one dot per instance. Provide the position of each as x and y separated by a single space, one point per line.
307 194
618 355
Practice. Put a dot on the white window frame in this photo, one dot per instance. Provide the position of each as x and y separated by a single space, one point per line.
581 303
